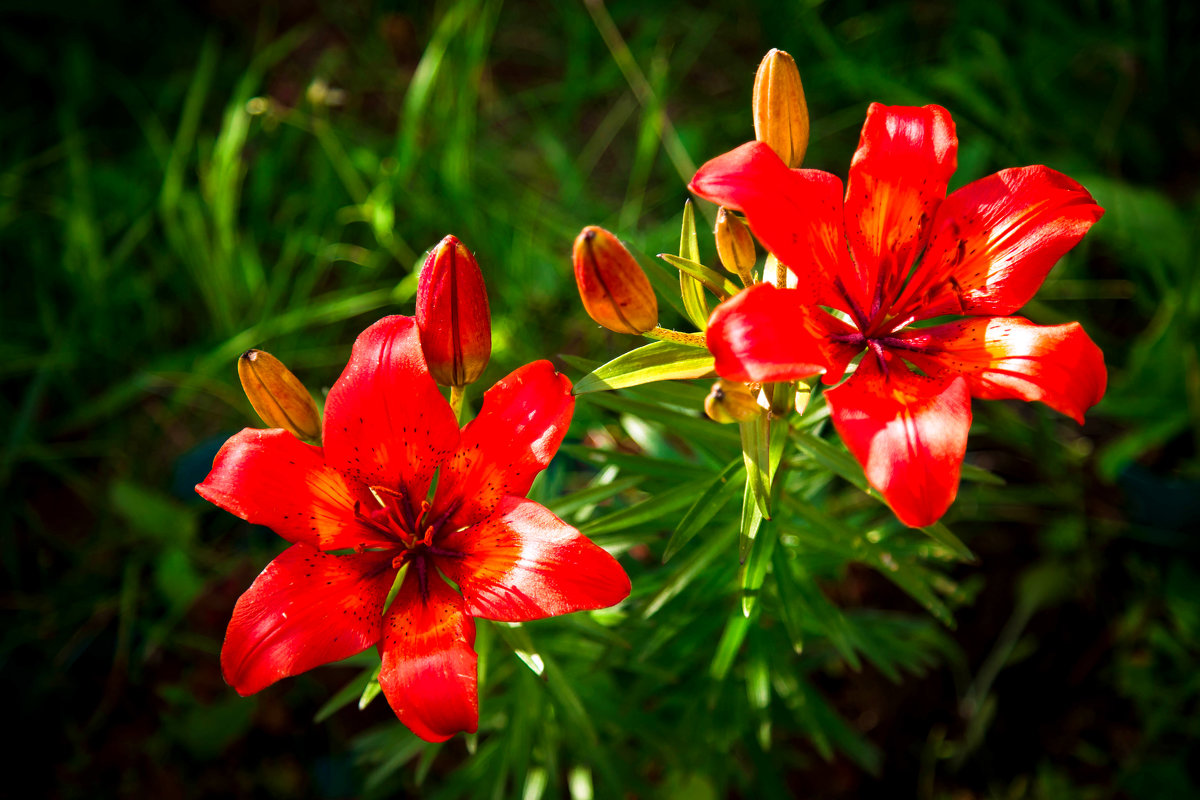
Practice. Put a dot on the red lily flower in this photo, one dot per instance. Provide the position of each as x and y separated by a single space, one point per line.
356 513
899 251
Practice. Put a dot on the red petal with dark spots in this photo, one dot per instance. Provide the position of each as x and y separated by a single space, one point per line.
268 477
769 334
1010 357
429 673
305 609
898 178
520 425
386 423
796 214
524 563
909 433
994 241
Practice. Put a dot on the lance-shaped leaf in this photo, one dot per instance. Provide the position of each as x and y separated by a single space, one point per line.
755 570
768 450
658 361
727 648
755 449
752 519
694 303
844 465
706 507
800 591
712 280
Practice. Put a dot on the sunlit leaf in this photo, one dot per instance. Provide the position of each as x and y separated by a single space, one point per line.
694 303
707 505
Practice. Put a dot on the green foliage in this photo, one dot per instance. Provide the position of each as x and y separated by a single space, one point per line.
178 185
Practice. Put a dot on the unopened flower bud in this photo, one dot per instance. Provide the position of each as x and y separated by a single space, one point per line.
452 314
735 245
731 402
615 291
278 396
780 113
803 395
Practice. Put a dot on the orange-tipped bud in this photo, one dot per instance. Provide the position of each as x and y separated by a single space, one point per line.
735 245
615 291
452 314
731 402
780 113
278 396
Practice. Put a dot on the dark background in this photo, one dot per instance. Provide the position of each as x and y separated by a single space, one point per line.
179 182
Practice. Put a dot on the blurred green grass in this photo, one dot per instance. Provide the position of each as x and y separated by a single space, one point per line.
180 183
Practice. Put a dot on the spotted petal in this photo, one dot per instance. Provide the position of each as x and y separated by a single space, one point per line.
1010 357
522 422
305 609
524 563
898 178
429 671
908 431
268 477
994 241
386 424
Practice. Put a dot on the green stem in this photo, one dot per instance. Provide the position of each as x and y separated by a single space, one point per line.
667 335
457 394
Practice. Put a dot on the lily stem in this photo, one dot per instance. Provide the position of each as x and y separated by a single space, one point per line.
667 335
457 394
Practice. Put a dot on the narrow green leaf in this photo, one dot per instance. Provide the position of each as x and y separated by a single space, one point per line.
758 690
657 361
568 504
942 535
706 507
346 695
755 571
844 465
756 453
712 280
838 461
370 691
648 510
792 607
816 606
970 472
636 463
752 518
692 291
519 641
692 428
727 649
688 569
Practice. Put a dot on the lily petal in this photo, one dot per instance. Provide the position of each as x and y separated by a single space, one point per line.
520 425
269 477
386 424
524 563
1010 357
796 214
429 673
909 432
898 178
994 241
770 334
307 608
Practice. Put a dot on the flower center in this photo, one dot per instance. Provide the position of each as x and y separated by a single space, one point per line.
414 533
